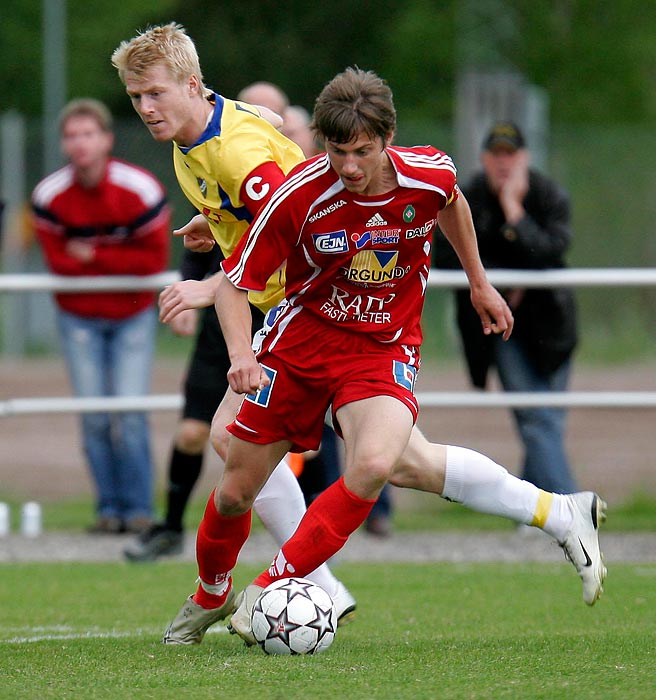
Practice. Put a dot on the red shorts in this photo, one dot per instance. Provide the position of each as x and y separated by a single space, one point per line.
312 366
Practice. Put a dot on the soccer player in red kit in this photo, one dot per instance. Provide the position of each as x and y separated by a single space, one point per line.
228 159
354 229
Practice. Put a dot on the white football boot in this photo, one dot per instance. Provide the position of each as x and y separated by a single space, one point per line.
240 622
581 544
344 604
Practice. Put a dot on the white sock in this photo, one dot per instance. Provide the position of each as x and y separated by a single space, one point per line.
482 485
280 506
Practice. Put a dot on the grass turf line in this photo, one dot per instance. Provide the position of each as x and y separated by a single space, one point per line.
445 631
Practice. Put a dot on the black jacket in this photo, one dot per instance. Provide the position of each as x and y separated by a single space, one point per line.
545 319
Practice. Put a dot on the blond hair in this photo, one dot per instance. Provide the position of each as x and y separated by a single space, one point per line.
168 44
87 107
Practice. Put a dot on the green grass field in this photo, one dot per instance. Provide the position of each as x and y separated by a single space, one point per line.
444 631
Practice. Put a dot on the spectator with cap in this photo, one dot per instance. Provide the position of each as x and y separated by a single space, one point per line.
522 221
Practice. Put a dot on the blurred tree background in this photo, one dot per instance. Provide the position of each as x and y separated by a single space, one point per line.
595 59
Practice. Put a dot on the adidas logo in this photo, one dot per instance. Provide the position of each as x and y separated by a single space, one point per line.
376 220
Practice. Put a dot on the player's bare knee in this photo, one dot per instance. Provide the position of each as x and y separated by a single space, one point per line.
375 470
233 500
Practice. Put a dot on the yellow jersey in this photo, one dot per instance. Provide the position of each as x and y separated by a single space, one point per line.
214 175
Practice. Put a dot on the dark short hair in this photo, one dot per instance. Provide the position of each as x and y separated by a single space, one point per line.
354 102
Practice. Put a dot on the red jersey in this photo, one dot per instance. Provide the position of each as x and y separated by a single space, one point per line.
358 262
125 217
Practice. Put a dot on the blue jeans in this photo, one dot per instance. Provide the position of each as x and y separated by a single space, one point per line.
541 429
114 358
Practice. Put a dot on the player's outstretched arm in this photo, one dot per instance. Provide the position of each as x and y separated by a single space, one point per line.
456 223
245 374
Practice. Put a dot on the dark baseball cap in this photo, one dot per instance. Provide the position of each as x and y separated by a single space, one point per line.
506 134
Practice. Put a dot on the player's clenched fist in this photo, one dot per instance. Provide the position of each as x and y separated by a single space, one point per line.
246 375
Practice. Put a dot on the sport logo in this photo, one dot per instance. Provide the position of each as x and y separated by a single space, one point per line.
421 231
327 210
366 308
374 267
334 242
280 566
388 236
376 220
261 396
405 375
361 239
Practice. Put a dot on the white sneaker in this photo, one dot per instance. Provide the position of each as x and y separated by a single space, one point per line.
581 545
240 622
191 623
344 604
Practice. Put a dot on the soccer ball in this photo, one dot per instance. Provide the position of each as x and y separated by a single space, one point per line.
294 616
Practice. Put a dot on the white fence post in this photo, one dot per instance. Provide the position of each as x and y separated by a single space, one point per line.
12 192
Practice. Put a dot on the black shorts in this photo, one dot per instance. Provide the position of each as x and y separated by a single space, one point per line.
206 381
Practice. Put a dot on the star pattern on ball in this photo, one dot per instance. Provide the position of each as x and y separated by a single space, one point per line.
294 616
295 587
280 626
323 624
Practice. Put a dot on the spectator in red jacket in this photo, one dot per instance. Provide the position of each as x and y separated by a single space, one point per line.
102 216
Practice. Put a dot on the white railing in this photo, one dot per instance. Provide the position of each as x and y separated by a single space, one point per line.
433 399
40 282
590 277
579 277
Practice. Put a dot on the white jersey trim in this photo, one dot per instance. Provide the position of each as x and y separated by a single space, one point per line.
53 185
141 183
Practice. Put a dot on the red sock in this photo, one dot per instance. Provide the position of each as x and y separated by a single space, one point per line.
322 532
218 543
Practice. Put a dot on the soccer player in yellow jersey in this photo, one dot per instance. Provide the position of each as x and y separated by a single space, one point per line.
162 75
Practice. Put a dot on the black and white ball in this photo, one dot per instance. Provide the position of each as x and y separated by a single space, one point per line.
294 616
